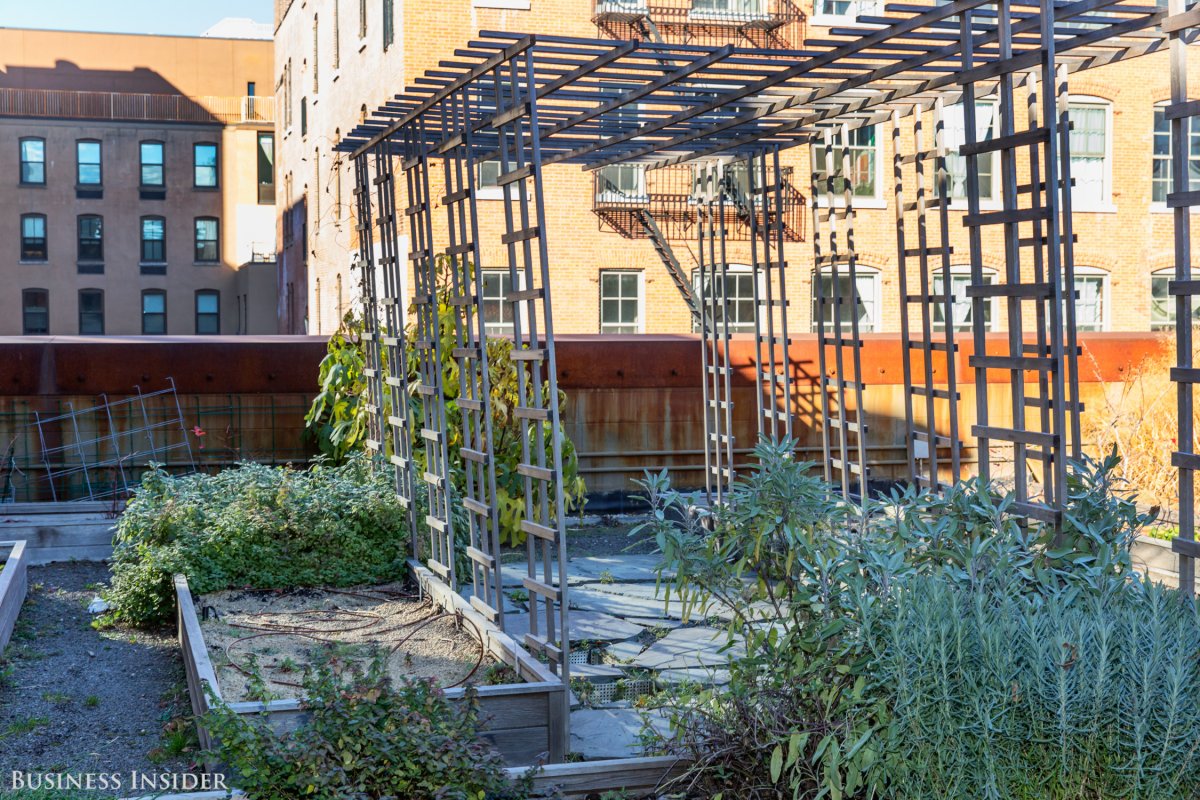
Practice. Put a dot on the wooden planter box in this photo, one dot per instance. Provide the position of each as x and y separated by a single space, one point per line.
525 722
13 586
62 531
570 781
1155 559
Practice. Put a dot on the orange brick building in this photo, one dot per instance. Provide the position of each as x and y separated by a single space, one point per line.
336 59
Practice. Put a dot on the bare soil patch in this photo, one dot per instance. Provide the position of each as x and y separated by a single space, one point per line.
282 633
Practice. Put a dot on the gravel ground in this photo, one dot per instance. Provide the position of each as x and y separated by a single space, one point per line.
73 699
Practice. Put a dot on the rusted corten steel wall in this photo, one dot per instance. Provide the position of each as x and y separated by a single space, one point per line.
633 402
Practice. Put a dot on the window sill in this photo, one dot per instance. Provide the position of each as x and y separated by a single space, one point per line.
1160 208
90 267
206 188
489 193
148 268
34 261
31 185
512 5
206 263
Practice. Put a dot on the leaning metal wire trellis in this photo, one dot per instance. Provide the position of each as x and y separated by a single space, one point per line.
531 102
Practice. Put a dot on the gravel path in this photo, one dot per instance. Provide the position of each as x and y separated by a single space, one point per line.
76 700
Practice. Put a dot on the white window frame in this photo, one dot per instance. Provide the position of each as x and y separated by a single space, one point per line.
960 271
992 201
732 269
493 329
640 323
621 7
1081 198
731 13
860 272
1105 301
1168 274
823 20
876 200
639 196
1160 206
487 192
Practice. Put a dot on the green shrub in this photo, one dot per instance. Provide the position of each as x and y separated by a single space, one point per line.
265 527
338 417
365 738
818 593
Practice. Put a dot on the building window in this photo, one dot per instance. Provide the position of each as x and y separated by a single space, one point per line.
266 169
489 174
497 312
621 302
621 183
152 165
963 309
1090 167
208 249
154 312
868 300
33 237
733 291
91 238
1161 175
33 162
1091 301
205 166
955 124
35 312
304 116
208 312
154 240
337 34
87 163
733 9
841 11
1162 303
362 19
389 31
864 162
91 312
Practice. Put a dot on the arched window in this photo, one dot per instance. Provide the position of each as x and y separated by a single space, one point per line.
963 307
33 237
208 312
1091 300
153 165
1163 304
1091 153
154 240
33 161
35 312
869 302
154 312
1161 170
91 312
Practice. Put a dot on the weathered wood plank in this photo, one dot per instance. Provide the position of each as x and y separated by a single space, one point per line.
594 777
14 584
197 665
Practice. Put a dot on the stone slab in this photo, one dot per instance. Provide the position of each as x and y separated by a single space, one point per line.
585 625
611 732
624 651
687 648
623 605
702 676
510 607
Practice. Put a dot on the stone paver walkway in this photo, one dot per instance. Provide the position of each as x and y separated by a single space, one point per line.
635 643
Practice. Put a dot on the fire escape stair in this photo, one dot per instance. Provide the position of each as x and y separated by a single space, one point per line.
670 261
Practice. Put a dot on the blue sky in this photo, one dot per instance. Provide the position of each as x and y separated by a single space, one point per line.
130 16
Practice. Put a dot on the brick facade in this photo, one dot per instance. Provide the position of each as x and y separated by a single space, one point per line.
1122 237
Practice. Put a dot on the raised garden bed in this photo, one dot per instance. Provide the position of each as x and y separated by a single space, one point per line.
14 583
56 532
523 720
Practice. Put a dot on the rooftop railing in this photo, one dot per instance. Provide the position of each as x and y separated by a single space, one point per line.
771 24
136 107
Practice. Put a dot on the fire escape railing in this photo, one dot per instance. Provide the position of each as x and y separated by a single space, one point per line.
774 24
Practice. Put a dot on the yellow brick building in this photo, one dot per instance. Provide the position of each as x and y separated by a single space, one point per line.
336 59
